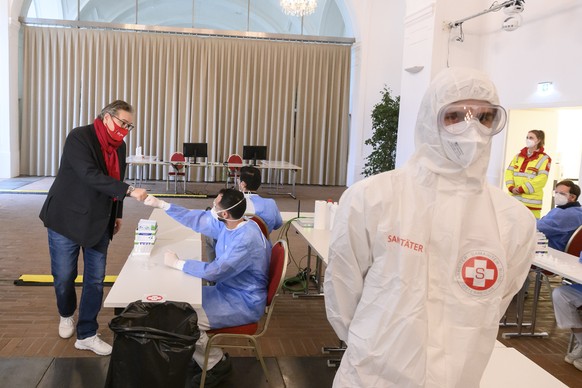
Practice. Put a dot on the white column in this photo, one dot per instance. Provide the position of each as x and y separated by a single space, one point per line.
9 144
376 63
418 59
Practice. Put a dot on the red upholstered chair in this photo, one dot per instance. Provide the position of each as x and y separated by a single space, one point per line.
574 245
262 224
177 171
233 171
229 337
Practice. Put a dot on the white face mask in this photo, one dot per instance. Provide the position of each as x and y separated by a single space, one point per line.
529 143
466 147
560 200
214 212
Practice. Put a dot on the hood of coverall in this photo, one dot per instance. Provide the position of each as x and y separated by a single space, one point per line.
451 85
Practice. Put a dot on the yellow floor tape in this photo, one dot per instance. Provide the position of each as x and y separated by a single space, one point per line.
29 279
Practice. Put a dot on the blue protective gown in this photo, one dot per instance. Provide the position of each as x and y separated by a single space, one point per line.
559 224
240 270
267 209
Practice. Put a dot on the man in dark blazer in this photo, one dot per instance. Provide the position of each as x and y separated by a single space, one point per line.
83 210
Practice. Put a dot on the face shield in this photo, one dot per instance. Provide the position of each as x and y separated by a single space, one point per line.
457 117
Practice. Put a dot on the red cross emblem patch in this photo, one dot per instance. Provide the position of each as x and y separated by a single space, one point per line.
153 298
479 272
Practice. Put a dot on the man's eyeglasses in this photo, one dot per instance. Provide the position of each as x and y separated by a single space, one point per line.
124 124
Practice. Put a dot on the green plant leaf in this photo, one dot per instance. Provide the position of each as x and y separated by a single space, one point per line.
385 134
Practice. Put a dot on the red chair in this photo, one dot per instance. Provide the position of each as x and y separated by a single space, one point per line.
177 171
252 331
262 224
574 245
233 171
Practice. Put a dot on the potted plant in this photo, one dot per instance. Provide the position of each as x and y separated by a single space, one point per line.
383 140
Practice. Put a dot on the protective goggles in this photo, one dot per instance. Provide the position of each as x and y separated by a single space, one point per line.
456 117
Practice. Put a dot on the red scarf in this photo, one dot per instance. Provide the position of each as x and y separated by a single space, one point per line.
109 148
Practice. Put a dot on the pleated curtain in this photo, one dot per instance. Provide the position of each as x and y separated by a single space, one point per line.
227 92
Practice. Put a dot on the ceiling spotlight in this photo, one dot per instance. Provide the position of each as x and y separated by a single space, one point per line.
512 8
511 23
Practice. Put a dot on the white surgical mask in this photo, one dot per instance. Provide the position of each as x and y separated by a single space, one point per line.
214 212
466 147
529 143
560 199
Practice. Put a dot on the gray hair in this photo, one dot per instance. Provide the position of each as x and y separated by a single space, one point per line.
115 106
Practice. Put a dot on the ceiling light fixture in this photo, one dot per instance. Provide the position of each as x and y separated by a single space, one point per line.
546 87
298 7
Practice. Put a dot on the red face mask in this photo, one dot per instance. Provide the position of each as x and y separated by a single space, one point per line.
118 132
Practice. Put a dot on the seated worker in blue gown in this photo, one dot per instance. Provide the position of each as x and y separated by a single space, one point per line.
266 208
558 226
561 222
240 272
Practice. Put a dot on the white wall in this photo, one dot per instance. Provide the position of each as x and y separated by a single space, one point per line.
417 52
569 143
430 43
377 62
546 47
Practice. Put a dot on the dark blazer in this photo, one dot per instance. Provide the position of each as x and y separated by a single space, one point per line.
80 204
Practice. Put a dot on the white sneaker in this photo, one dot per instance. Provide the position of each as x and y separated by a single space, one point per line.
578 363
575 354
95 344
67 327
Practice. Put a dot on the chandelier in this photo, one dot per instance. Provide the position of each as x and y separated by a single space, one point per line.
298 7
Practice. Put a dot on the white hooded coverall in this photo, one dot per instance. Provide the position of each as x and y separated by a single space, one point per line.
425 259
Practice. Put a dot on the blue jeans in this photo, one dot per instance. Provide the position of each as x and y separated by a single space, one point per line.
64 258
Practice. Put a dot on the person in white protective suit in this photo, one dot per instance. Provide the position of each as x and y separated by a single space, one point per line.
425 259
240 272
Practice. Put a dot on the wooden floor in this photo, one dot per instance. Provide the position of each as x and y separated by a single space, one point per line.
29 321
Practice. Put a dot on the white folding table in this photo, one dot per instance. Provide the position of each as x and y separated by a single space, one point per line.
148 278
556 262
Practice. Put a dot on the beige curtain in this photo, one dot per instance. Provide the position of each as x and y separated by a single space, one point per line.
291 97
